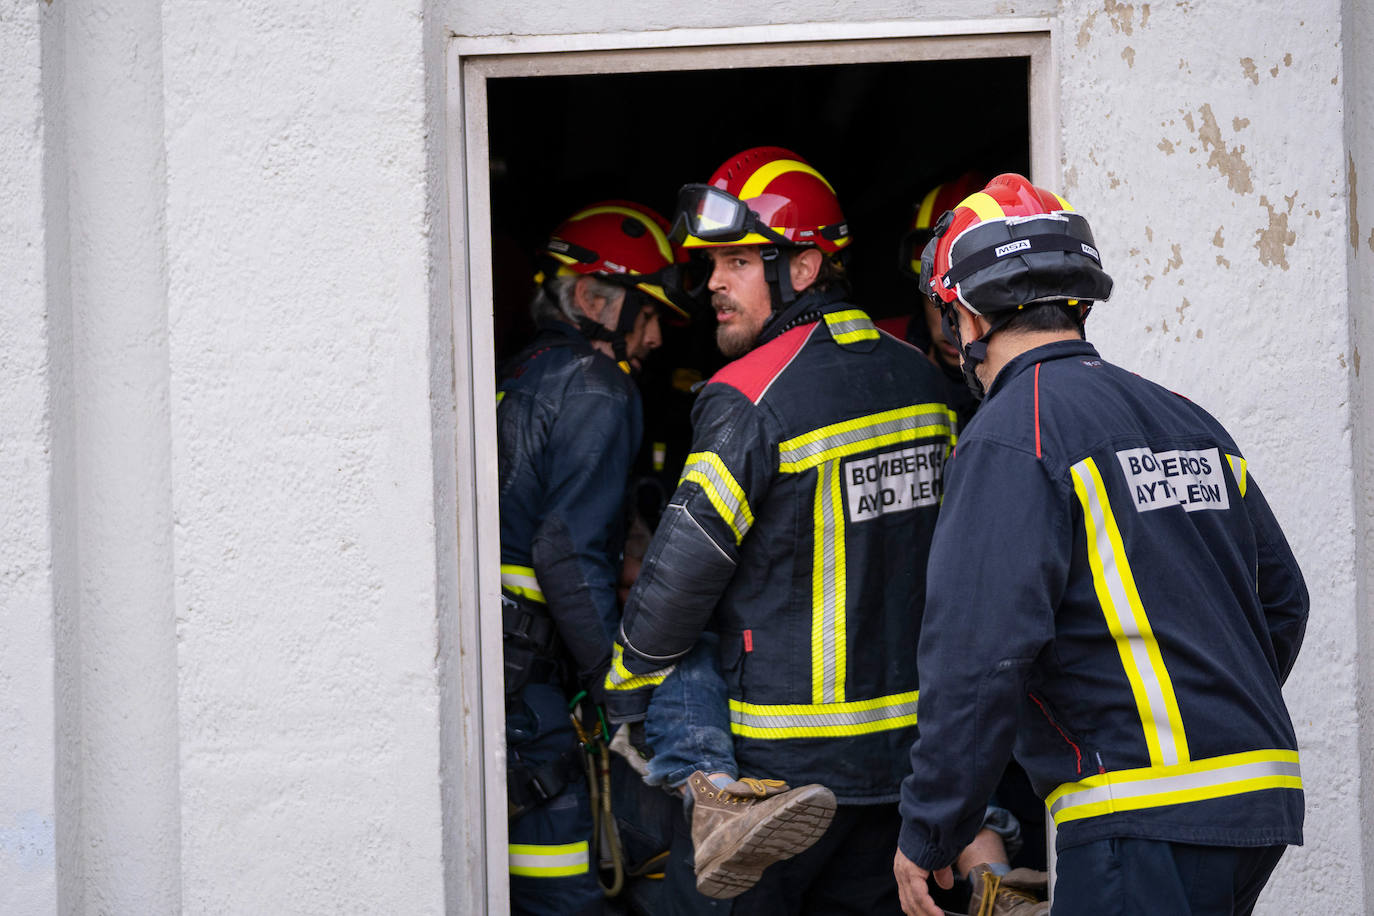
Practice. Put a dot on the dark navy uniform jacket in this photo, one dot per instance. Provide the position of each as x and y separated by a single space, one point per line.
1109 590
815 476
568 426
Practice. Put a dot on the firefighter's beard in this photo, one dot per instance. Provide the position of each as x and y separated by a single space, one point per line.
737 329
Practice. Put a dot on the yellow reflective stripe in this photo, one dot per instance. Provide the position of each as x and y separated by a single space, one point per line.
618 677
850 326
499 396
823 720
655 232
708 471
520 580
953 428
829 643
851 437
1063 203
534 861
983 206
1159 786
925 217
1126 620
760 180
1238 470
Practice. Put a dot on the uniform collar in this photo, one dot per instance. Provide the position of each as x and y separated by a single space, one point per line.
809 307
1060 349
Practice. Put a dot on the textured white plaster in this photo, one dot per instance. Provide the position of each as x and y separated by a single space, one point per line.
129 833
298 269
1205 143
1358 98
555 17
28 739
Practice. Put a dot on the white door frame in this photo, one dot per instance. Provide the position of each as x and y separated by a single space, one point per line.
471 61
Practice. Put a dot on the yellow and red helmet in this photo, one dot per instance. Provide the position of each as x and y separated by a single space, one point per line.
620 241
763 196
937 200
1013 244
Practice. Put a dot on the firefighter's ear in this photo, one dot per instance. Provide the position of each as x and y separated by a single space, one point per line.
585 298
805 267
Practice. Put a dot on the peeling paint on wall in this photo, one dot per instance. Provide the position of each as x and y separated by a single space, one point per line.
1247 66
1239 124
1166 146
1183 308
1085 31
1229 162
1121 14
1222 262
1274 241
1176 261
1128 55
1217 240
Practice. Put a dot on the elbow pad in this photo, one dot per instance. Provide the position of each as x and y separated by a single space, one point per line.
684 575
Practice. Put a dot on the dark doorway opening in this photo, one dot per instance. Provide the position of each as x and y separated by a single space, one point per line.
883 134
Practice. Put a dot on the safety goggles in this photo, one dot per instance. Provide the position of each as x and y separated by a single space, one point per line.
709 214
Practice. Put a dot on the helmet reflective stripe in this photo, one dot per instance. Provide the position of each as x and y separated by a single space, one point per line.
761 179
658 235
983 206
925 214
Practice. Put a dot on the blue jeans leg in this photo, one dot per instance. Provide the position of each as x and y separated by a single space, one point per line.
688 723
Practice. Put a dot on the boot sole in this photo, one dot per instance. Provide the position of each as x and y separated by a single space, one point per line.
793 828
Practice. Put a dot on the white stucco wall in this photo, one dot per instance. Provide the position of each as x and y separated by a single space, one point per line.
1218 195
234 423
298 308
29 586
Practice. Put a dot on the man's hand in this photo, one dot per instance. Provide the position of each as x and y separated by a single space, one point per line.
911 885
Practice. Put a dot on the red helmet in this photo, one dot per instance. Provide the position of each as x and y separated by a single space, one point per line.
618 240
763 196
940 198
1012 244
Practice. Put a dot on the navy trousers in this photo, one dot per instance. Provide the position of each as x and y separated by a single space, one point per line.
1124 876
550 869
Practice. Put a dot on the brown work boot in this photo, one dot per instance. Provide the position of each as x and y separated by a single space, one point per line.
1020 892
740 830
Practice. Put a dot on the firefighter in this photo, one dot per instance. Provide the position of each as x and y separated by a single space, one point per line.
1108 592
568 426
924 330
814 479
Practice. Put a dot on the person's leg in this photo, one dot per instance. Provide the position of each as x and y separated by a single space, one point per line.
1256 865
550 866
688 723
1118 877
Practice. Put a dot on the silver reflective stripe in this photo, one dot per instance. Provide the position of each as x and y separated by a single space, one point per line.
850 325
1155 791
1128 622
727 497
864 430
531 861
520 581
752 717
828 599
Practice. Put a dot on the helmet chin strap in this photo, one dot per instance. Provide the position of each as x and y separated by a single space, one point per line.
975 352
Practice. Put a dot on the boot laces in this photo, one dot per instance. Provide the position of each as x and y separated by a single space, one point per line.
760 787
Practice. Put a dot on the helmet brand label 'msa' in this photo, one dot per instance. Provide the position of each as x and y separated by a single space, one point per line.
894 481
1011 247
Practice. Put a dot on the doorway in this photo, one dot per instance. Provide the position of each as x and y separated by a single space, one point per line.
571 121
